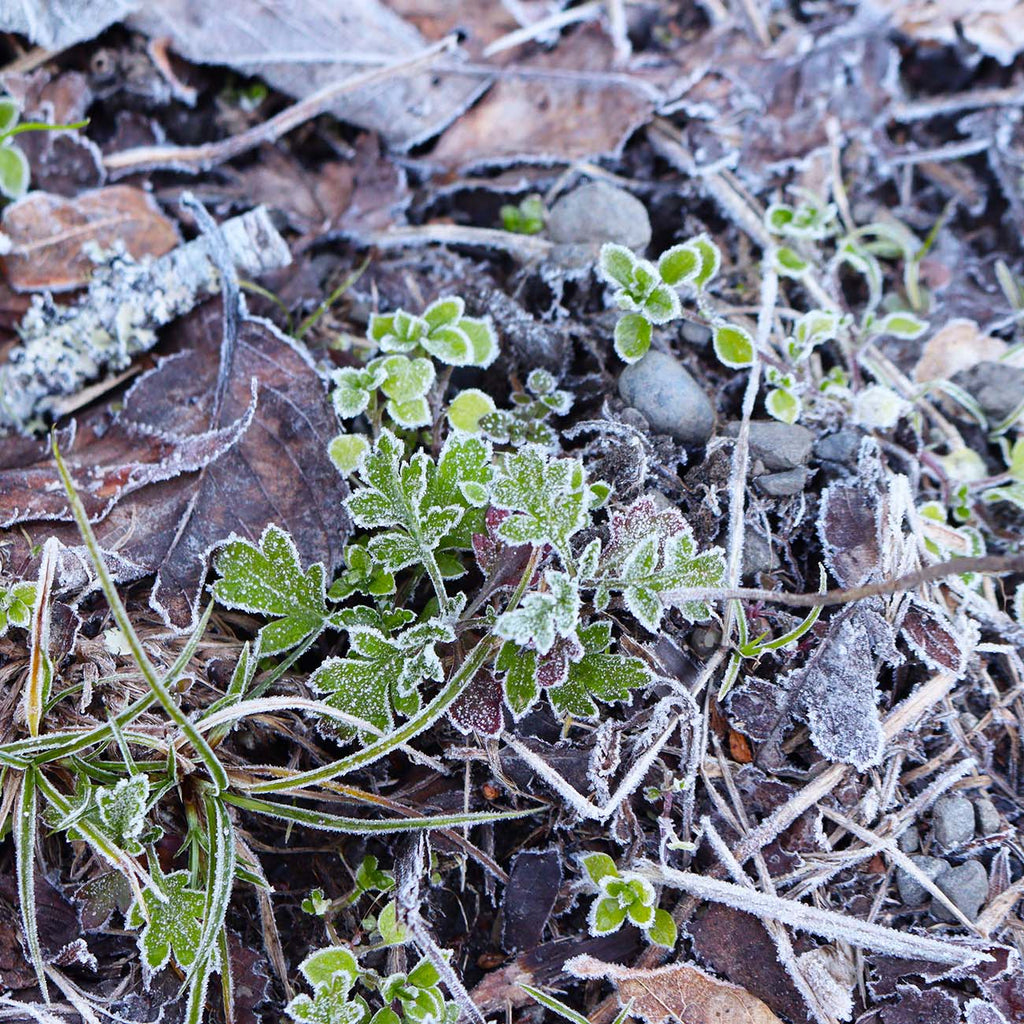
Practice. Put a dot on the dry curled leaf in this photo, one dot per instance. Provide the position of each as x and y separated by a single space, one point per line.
677 992
48 234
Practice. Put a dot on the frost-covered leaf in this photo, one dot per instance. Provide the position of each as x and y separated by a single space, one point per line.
543 615
878 407
733 345
849 526
663 931
173 925
382 674
467 407
14 172
396 332
901 325
479 707
353 388
695 262
346 451
789 263
267 579
651 554
547 496
943 646
783 405
122 810
597 676
837 688
461 480
16 606
616 264
632 337
598 866
521 687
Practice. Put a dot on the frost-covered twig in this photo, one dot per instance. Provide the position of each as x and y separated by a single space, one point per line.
65 347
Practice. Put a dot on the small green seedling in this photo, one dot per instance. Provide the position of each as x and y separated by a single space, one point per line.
526 218
625 896
14 169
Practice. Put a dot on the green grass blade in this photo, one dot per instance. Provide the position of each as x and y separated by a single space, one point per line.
24 856
555 1005
220 877
145 666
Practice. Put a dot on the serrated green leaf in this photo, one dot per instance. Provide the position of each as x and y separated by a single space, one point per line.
172 925
541 616
268 580
632 337
121 810
16 606
733 345
603 677
519 666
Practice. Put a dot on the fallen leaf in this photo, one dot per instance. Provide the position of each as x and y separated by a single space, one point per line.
739 747
913 1006
276 470
572 108
849 526
678 992
300 48
48 234
530 897
937 640
957 346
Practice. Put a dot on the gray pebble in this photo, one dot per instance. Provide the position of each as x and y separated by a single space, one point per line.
778 445
952 821
967 888
598 212
987 817
669 399
996 387
841 447
758 555
784 484
910 841
912 893
696 334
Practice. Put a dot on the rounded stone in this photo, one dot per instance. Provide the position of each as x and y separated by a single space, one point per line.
967 888
669 399
987 817
952 821
598 212
784 484
911 891
778 445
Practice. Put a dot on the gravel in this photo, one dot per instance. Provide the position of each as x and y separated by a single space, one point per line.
669 399
967 888
952 821
598 212
778 445
912 893
784 484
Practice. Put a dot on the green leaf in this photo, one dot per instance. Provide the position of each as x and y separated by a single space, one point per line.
616 264
603 677
391 932
411 414
323 966
598 866
381 675
663 931
679 265
606 916
547 496
24 830
10 111
783 405
789 263
14 172
451 345
519 665
173 924
354 387
122 811
733 345
329 1004
405 379
482 340
1015 462
346 451
268 580
543 615
710 260
901 325
16 604
444 311
632 337
661 305
397 332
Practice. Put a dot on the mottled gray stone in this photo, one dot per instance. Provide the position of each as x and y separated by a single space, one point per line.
669 399
967 888
842 447
910 841
778 445
997 387
598 212
758 554
987 817
912 893
784 484
952 821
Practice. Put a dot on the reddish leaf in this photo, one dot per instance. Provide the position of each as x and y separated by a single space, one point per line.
48 234
935 640
479 706
848 525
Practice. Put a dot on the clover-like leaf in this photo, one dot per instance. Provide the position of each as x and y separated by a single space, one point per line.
267 579
353 388
397 332
174 924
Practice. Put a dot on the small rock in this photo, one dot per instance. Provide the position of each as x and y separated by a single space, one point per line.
696 334
987 817
842 447
784 484
758 555
778 445
910 841
967 888
598 212
952 821
669 399
912 893
996 387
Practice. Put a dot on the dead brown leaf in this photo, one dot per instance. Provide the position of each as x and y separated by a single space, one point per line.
959 345
48 234
678 992
270 467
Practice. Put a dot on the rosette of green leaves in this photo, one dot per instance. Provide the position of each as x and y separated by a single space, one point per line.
16 603
625 896
526 422
443 331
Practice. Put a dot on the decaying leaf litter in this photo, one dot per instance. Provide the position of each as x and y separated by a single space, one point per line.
537 431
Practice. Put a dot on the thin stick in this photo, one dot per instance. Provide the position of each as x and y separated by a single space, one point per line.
195 159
